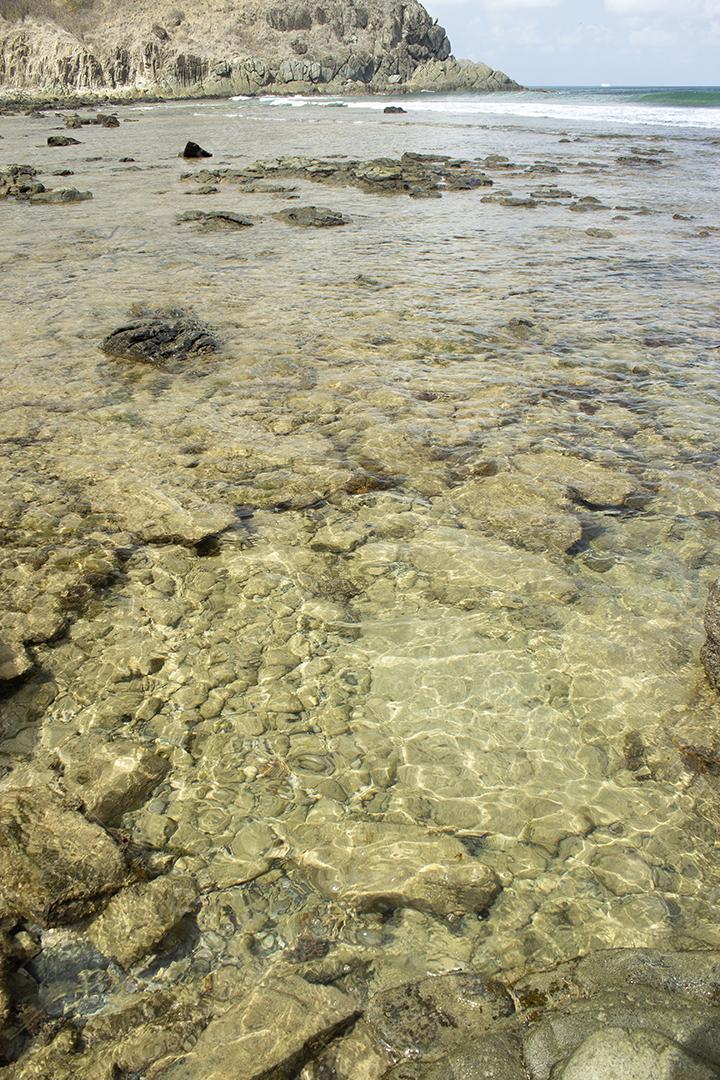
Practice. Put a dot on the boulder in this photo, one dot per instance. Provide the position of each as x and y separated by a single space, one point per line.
312 217
711 649
136 921
192 150
54 865
110 778
268 1035
378 867
62 140
19 182
394 110
158 336
634 1055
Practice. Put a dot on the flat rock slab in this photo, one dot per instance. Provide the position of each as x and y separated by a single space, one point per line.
54 865
269 1035
60 195
155 337
136 920
110 777
378 867
215 219
312 217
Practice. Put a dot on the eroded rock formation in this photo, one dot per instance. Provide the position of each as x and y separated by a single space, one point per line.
54 47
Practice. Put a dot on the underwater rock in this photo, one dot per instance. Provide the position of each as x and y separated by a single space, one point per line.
378 867
156 336
136 920
513 509
711 649
192 150
633 1055
110 778
270 1033
14 660
312 217
54 865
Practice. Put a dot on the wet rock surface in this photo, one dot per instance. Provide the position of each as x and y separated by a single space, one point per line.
139 918
382 869
194 150
156 337
413 174
216 219
55 865
312 217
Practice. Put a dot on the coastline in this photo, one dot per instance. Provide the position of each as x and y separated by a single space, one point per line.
356 647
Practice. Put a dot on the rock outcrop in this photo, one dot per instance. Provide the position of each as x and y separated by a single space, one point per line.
48 47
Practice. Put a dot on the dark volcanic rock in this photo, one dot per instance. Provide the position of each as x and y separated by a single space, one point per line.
192 150
711 649
62 140
155 337
216 219
394 110
18 181
312 217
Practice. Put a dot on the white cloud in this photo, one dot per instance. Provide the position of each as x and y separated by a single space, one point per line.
703 8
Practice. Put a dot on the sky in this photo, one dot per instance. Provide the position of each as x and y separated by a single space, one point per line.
589 42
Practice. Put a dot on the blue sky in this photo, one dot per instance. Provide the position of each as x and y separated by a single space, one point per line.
587 42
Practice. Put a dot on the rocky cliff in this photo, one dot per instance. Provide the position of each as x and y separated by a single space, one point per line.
214 47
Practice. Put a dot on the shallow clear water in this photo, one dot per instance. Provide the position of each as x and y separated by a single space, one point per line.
464 594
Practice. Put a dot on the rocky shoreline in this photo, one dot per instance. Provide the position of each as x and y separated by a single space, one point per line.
353 724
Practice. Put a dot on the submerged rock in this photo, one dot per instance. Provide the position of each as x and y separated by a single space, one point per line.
192 150
14 660
270 1033
60 195
634 1055
157 336
110 777
136 921
312 217
377 867
54 865
711 649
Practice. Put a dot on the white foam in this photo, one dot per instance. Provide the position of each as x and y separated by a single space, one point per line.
538 106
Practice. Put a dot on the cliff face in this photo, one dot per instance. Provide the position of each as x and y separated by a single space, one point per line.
219 48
